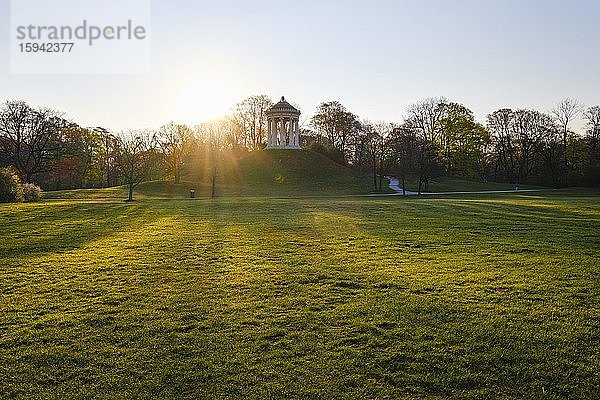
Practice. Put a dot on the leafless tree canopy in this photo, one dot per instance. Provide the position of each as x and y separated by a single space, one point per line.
518 137
174 141
427 116
592 115
136 156
251 119
28 137
565 112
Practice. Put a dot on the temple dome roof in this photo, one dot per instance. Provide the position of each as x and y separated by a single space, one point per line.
283 106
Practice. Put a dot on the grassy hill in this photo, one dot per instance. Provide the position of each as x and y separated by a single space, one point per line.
276 173
284 172
260 173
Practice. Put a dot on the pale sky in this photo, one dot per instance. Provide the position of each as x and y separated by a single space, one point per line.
376 57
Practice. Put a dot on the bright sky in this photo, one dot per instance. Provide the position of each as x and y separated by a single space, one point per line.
375 56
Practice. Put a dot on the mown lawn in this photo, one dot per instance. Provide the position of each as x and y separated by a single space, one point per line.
466 297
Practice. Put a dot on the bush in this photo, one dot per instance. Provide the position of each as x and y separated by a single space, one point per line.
31 192
10 186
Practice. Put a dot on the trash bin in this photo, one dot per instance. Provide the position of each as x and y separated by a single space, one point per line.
192 194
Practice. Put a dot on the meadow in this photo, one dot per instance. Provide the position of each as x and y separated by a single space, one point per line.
488 296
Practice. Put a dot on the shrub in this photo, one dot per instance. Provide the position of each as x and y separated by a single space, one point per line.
31 192
10 187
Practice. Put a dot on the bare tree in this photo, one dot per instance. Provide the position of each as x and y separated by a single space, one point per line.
382 132
213 136
29 137
109 154
518 138
250 115
500 126
136 157
371 141
427 116
174 140
564 113
379 143
404 152
551 152
592 115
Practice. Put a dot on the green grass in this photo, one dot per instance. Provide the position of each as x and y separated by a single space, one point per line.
466 297
280 173
276 173
291 173
453 184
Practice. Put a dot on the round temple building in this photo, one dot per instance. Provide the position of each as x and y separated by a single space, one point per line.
283 126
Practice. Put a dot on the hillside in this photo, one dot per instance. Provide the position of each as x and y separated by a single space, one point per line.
276 173
260 173
284 172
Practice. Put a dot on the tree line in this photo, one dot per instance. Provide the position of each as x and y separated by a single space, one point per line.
442 138
42 146
437 137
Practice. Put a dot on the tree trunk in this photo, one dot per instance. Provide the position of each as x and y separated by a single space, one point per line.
403 187
375 174
566 160
213 191
130 198
448 156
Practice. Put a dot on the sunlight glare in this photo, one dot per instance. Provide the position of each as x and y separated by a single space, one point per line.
203 97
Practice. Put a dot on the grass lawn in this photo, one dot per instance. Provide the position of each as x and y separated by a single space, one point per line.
462 297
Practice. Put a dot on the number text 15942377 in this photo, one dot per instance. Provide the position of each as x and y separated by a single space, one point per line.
47 47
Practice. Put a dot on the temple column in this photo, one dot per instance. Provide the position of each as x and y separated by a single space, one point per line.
268 132
293 135
297 133
272 132
288 136
282 132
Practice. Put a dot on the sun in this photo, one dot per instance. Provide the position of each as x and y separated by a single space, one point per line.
202 97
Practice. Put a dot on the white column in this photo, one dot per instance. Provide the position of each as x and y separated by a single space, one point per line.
293 133
273 130
272 126
297 133
277 131
287 132
282 132
274 133
268 132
